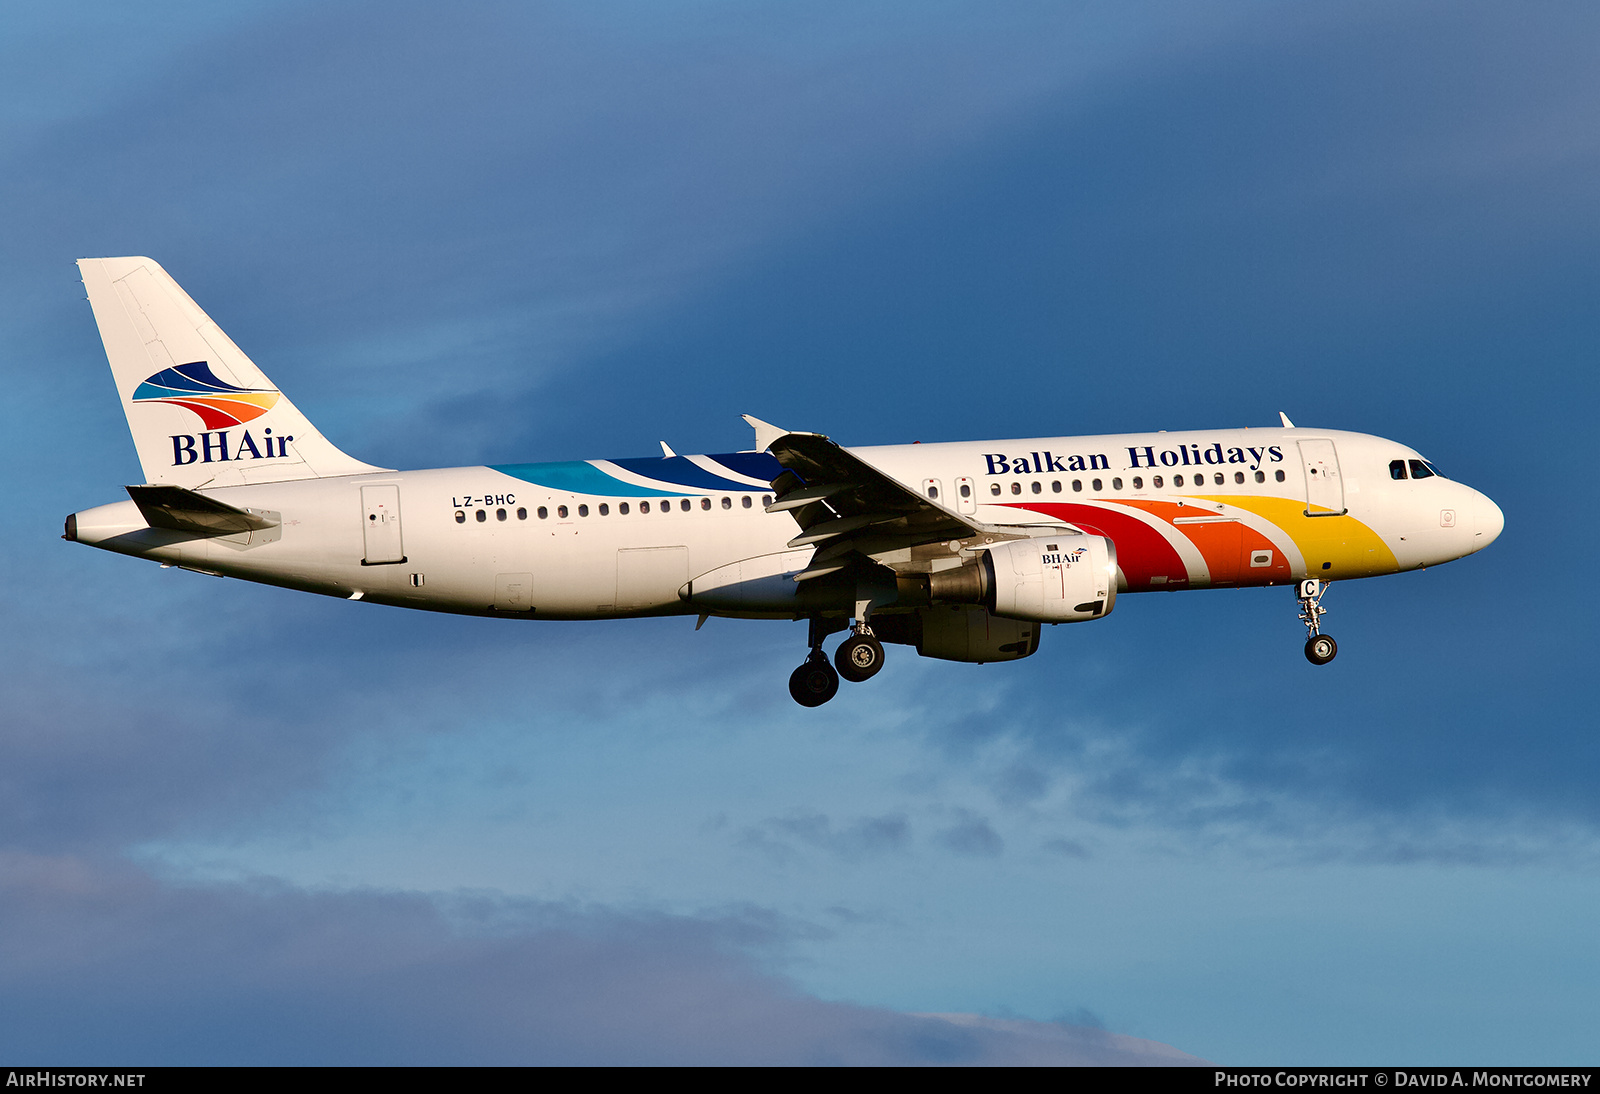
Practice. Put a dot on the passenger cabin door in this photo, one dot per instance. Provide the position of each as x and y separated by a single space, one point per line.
380 525
1324 487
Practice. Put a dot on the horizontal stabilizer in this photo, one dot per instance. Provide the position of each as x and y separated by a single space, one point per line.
180 510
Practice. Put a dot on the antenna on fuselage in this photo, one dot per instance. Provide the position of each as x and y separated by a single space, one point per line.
1284 418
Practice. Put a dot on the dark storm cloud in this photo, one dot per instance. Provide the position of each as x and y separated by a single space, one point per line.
116 967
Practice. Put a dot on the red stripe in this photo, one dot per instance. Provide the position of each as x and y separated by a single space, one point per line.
1142 552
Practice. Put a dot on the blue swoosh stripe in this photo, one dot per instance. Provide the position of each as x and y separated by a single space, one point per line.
579 477
755 465
681 471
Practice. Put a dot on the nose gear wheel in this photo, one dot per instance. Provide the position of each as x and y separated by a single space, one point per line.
1320 648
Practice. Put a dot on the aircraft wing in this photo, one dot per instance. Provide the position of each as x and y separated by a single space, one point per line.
858 517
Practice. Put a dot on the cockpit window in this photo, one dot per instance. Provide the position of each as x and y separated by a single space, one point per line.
1397 469
1421 470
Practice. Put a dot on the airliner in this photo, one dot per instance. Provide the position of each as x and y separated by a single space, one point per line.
962 550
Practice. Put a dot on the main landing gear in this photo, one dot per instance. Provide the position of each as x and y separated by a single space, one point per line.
858 658
1320 648
814 682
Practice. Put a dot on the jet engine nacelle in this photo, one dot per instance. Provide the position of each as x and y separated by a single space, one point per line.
1054 579
1069 577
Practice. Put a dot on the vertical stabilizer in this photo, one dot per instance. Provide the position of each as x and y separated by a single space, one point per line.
201 412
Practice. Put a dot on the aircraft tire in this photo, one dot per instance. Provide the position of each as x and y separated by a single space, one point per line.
1320 649
814 682
859 657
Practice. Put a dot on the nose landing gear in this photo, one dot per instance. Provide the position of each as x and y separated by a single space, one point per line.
1320 648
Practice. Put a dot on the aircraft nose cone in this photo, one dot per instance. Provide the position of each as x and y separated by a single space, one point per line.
1491 522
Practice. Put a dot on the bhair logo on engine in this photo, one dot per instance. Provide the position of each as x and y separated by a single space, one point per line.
1054 556
220 406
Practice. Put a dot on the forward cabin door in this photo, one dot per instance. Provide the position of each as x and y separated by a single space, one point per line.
380 525
1324 487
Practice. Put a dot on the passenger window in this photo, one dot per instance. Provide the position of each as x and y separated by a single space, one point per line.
1238 476
1177 480
544 513
684 505
705 503
583 510
461 516
499 514
605 510
933 492
1055 486
1278 475
966 491
1016 488
1397 469
522 514
1077 486
1038 487
1420 470
1156 482
727 503
1217 479
994 488
745 501
644 507
1261 476
622 508
1138 483
561 511
766 499
1116 484
482 516
1096 485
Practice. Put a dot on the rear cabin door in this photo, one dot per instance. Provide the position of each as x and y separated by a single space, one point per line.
380 525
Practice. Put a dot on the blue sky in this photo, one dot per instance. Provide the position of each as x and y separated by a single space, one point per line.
240 824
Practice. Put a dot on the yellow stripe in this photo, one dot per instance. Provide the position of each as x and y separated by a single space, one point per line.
1354 549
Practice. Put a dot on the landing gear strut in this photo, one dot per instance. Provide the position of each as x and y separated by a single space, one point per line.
860 656
1320 648
815 682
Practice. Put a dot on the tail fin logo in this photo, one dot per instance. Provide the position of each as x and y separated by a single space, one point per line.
219 403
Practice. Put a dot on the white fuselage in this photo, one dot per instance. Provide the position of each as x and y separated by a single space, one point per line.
625 538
